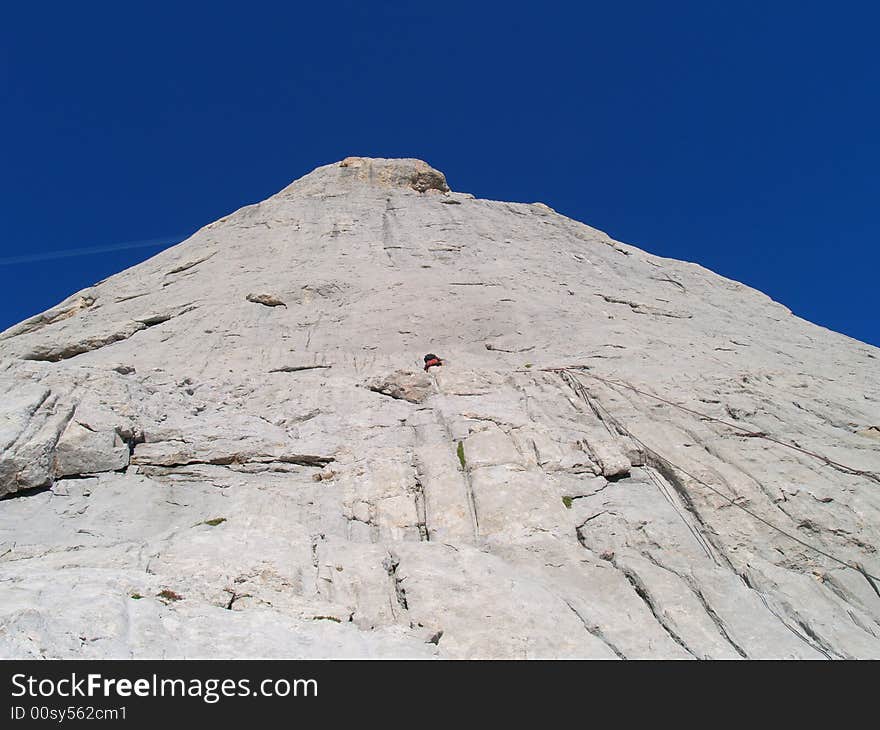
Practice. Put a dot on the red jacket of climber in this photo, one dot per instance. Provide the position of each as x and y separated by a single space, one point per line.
431 361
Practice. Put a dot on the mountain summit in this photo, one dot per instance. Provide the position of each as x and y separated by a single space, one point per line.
233 449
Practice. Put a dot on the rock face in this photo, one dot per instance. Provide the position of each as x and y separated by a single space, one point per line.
231 450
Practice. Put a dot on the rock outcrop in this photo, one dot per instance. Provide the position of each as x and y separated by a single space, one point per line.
231 450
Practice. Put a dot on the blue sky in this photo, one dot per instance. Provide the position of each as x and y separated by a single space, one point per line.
742 136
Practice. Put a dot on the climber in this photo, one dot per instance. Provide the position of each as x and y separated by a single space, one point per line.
432 361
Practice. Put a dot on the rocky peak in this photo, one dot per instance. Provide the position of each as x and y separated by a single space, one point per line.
378 173
233 449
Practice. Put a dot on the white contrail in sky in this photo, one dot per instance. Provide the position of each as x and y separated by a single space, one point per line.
69 252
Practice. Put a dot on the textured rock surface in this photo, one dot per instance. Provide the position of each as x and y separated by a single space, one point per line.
231 450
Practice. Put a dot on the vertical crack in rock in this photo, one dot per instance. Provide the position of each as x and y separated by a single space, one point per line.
582 393
693 585
716 619
391 563
804 638
707 536
820 644
595 631
642 592
470 497
871 581
316 562
661 484
421 509
612 458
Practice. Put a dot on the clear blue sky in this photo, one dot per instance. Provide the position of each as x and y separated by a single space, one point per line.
744 136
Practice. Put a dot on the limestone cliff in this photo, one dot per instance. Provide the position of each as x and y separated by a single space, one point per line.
231 450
